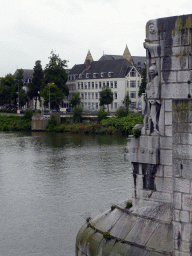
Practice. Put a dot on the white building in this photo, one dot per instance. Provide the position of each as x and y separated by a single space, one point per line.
120 73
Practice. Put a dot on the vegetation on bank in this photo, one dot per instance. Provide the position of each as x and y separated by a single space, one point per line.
112 125
16 123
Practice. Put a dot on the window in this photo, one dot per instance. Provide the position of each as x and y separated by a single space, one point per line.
111 84
89 105
81 85
89 95
138 83
88 85
92 95
78 85
127 84
96 105
102 74
107 84
94 75
82 96
132 83
80 76
110 74
133 73
85 95
133 95
96 95
103 84
115 105
92 85
115 84
96 85
87 75
115 95
111 105
93 104
99 85
133 104
85 85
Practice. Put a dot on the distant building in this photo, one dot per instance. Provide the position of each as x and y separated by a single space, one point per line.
121 73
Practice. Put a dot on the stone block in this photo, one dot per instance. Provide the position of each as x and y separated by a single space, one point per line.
186 138
174 91
181 185
183 76
168 172
168 77
175 63
176 138
123 226
177 200
164 184
184 216
156 196
182 152
165 142
176 215
159 172
168 130
177 168
187 231
168 118
184 127
162 238
165 157
187 202
168 105
186 171
119 249
176 230
141 231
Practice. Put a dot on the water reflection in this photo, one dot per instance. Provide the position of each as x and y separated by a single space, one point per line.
49 184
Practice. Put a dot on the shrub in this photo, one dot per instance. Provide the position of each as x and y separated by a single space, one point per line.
121 112
101 114
136 133
52 125
107 236
77 114
28 114
129 204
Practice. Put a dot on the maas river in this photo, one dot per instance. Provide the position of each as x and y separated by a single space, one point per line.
50 183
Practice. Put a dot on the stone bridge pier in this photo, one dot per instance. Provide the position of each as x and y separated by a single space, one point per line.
159 221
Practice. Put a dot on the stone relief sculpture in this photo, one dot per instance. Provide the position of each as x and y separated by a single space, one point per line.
153 105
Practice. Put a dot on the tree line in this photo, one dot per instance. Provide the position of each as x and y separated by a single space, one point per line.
48 82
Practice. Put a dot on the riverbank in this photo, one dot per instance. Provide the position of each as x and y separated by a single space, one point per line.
112 125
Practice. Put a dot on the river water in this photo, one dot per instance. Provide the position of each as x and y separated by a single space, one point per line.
50 183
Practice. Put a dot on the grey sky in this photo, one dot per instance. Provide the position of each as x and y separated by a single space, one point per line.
30 30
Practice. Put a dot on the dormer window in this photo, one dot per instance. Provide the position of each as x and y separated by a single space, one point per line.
95 75
87 75
133 73
80 76
102 74
110 74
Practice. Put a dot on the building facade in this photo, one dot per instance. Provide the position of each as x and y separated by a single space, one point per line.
119 73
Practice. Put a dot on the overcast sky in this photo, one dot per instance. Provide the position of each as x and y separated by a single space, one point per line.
30 30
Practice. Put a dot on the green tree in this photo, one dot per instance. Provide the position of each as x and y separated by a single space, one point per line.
77 114
106 97
6 85
56 95
22 97
124 110
55 73
36 84
142 87
75 100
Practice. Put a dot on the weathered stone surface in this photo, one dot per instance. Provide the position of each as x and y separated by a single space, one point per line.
184 216
108 220
186 138
174 91
168 118
120 249
123 226
187 202
168 130
141 231
181 185
168 172
168 105
182 152
166 157
166 142
177 200
164 184
161 238
168 77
